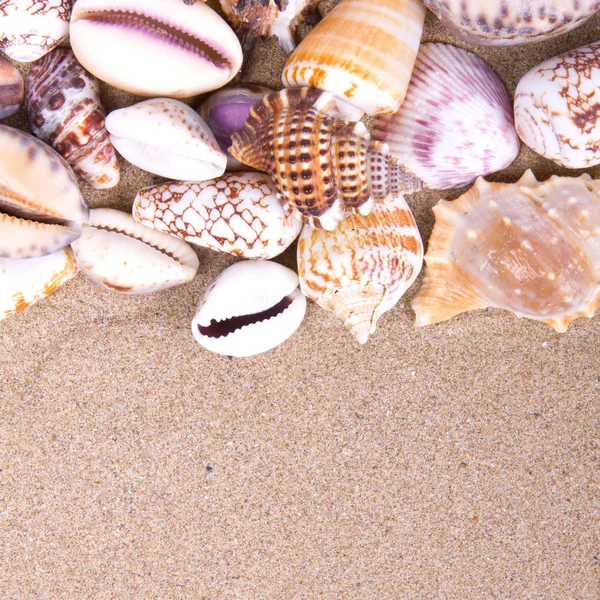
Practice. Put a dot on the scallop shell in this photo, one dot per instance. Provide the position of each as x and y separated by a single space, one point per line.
530 248
41 209
324 168
123 256
510 22
155 47
557 108
25 281
362 52
251 307
166 137
237 214
65 112
31 28
456 122
363 268
12 89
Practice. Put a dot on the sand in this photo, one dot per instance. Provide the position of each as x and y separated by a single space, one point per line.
459 461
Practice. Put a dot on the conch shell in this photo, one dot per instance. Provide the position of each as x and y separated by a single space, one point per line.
531 248
363 268
557 108
361 52
510 22
323 167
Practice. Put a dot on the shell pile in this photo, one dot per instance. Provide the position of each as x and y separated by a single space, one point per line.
441 118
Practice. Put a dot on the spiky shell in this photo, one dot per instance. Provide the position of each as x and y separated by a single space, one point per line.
456 122
556 108
510 22
323 167
65 111
530 248
362 269
362 52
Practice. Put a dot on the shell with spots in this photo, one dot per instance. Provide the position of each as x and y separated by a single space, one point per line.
323 167
557 108
510 22
363 268
531 248
65 111
168 138
238 214
362 52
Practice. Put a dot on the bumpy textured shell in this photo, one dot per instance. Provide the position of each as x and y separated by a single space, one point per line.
362 269
251 307
25 281
12 89
155 47
324 168
123 256
31 28
237 213
557 108
41 209
456 122
530 248
362 52
491 22
65 111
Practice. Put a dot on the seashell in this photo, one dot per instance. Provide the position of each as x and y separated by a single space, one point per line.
225 112
155 47
557 108
513 21
362 52
168 138
123 256
237 214
363 268
12 89
456 122
530 248
25 281
30 29
41 209
323 168
251 307
65 112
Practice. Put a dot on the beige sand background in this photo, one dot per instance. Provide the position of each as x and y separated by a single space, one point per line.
460 461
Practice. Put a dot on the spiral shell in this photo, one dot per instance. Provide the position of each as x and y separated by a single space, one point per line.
65 111
530 248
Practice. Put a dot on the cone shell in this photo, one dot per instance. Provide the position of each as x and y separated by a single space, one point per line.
41 209
456 122
155 47
12 89
556 108
31 28
65 112
324 168
510 22
530 248
123 256
168 138
251 307
25 281
238 213
362 52
363 268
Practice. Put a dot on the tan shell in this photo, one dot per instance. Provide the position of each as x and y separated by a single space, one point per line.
362 52
362 269
530 248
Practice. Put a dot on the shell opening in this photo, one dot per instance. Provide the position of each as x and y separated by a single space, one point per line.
218 329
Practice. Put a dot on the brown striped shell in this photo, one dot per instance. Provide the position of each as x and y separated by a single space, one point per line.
324 168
